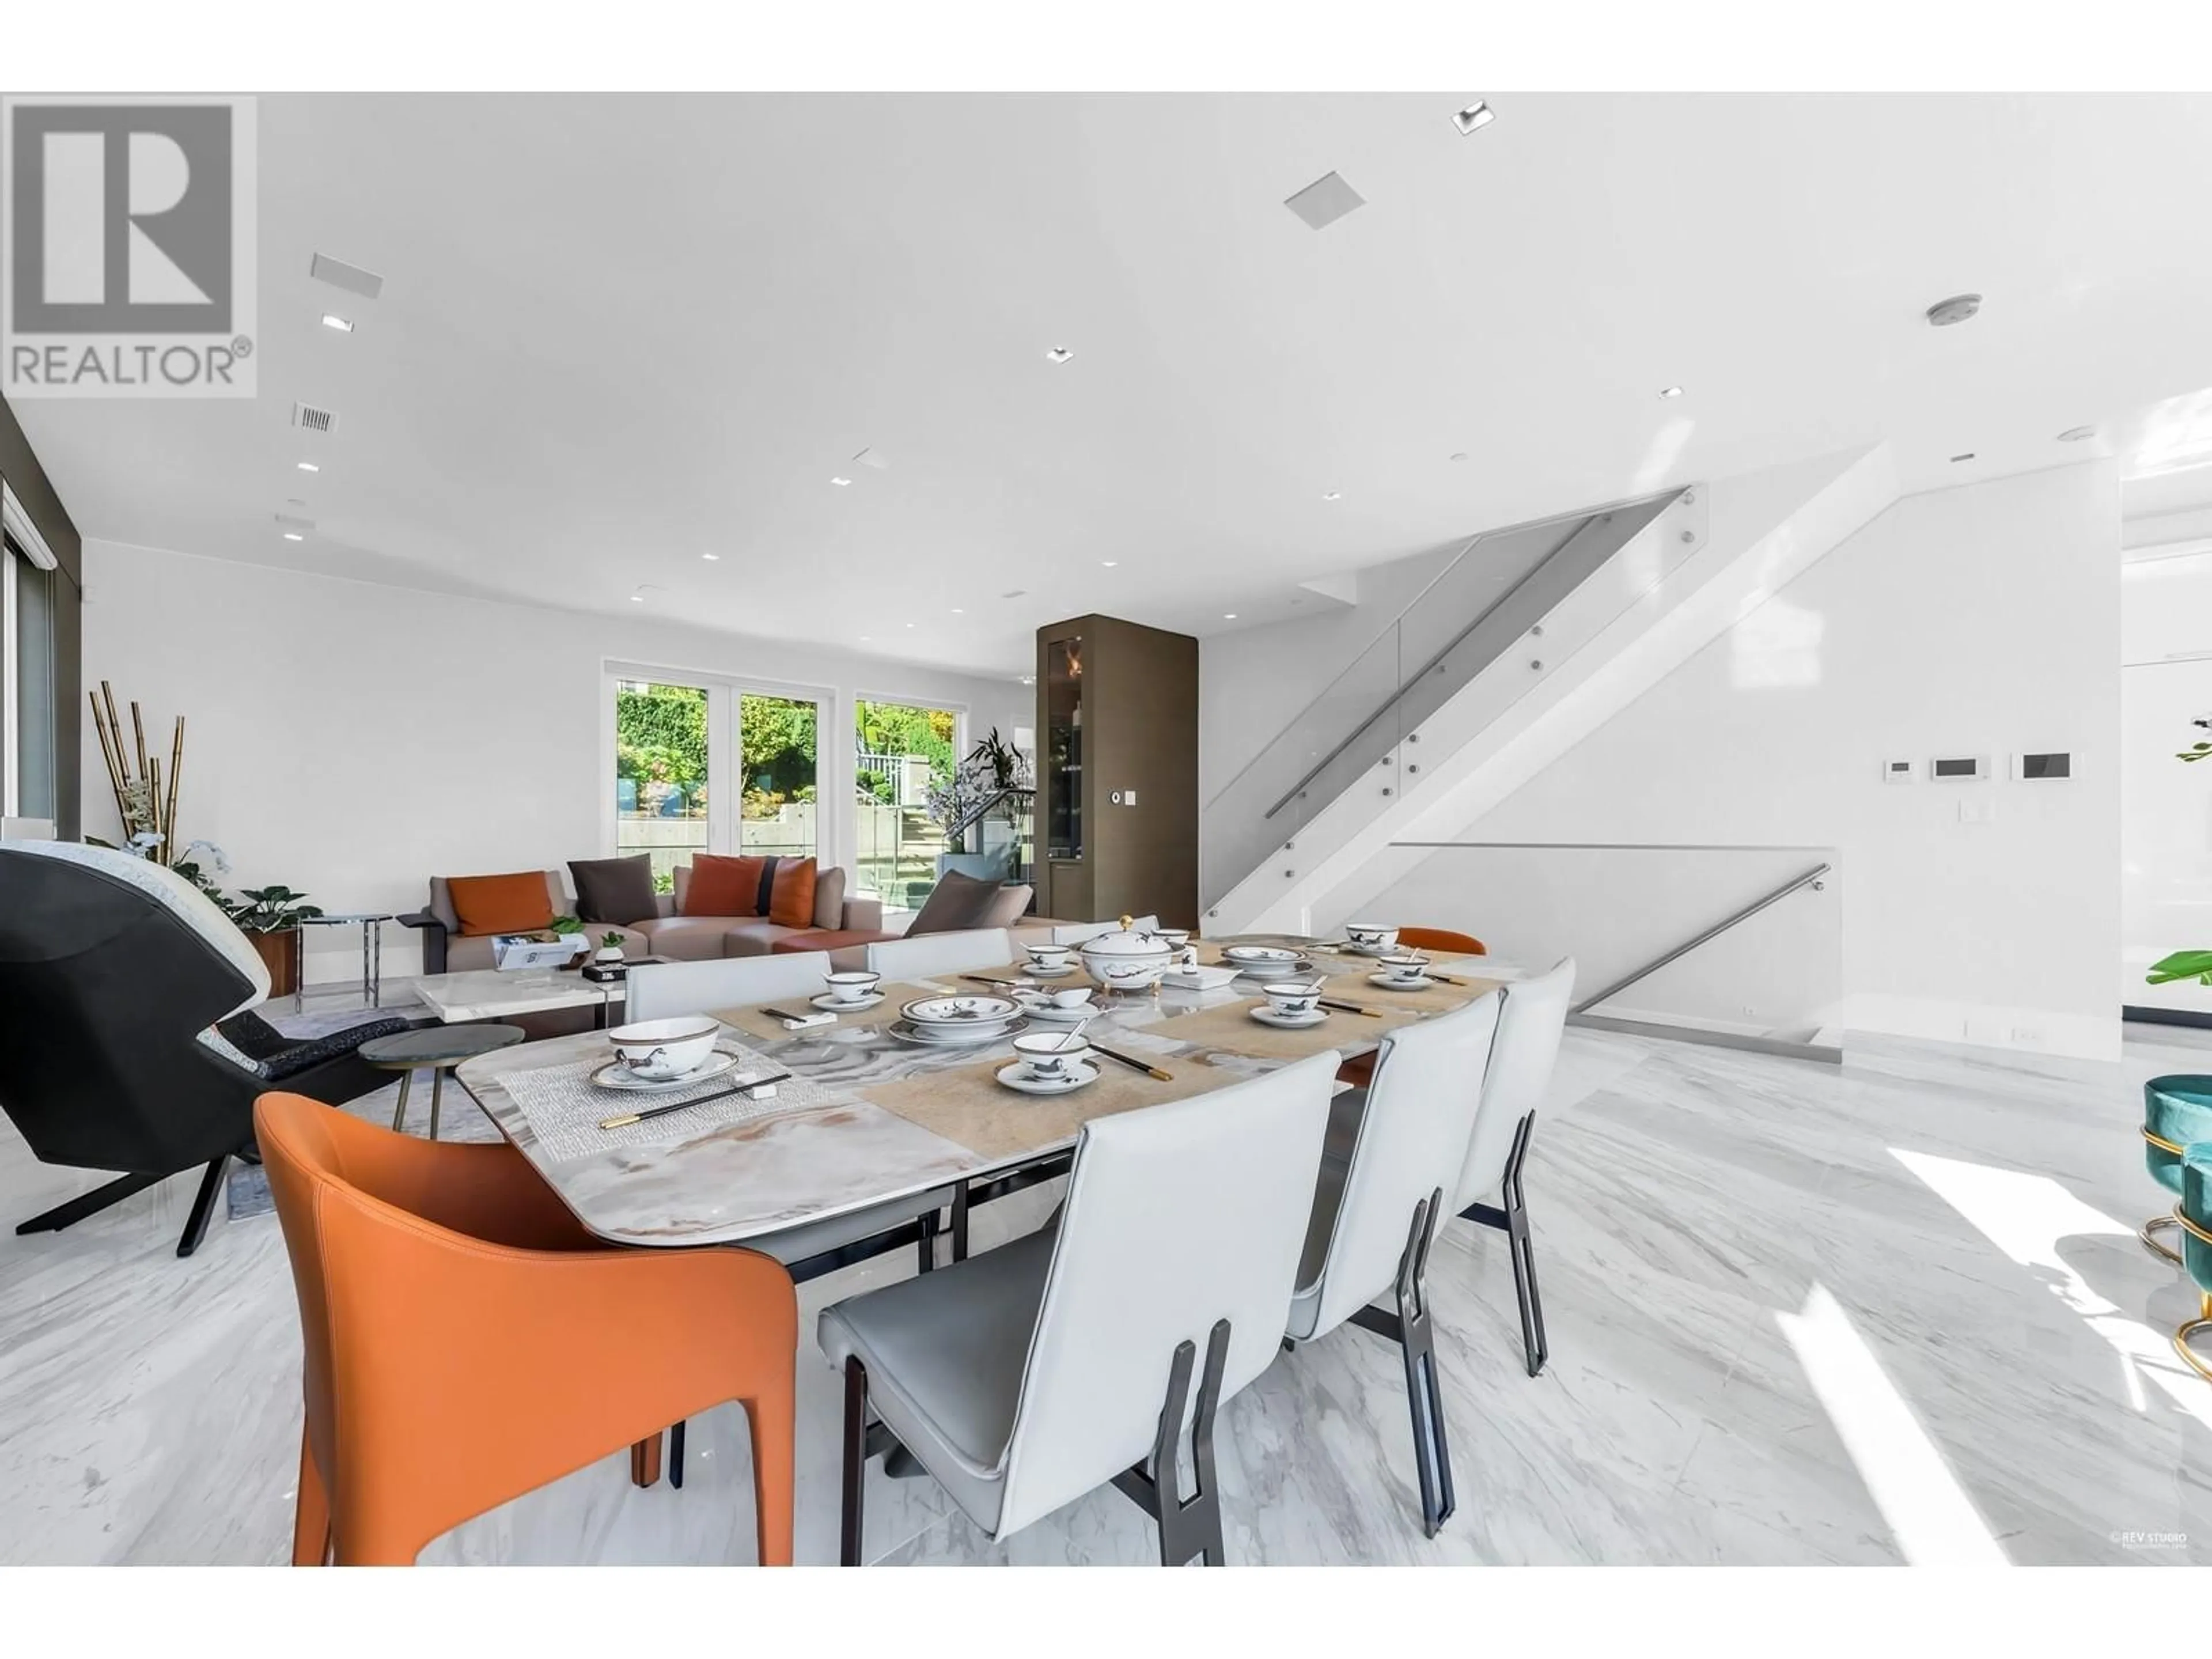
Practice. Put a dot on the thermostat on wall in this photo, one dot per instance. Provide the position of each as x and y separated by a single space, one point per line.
2052 767
1897 771
1958 769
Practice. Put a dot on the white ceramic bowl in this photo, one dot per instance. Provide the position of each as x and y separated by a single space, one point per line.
1370 935
853 984
1291 996
659 1049
968 1013
1064 996
1049 1053
1051 955
1405 969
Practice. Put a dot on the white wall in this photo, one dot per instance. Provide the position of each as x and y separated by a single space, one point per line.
1982 620
352 740
2166 611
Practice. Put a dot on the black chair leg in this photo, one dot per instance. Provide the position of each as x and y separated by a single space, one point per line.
69 1214
926 1246
1413 1330
196 1223
1524 1284
856 1462
1189 1527
676 1457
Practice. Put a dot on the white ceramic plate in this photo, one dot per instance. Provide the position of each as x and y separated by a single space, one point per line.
1389 984
1060 972
1266 972
1305 1021
616 1075
1045 1011
830 1004
1017 1077
960 1011
957 1036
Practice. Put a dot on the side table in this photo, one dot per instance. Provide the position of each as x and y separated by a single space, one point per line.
441 1048
371 923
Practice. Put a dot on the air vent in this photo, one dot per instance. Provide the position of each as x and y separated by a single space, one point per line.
1325 201
352 278
308 418
292 521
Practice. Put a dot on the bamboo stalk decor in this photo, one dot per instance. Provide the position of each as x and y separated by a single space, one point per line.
140 800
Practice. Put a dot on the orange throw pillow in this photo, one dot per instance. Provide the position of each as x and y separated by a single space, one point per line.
501 904
791 903
724 886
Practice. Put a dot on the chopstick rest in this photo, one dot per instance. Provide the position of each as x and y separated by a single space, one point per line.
799 1022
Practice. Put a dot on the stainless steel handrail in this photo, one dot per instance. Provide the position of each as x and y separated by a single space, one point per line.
1810 876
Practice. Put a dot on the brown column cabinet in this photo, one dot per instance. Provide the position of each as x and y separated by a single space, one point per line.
1117 771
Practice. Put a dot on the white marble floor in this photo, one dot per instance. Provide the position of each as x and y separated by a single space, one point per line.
1798 1315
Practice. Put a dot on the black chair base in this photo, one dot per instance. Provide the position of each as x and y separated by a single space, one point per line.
1512 1220
101 1198
1413 1330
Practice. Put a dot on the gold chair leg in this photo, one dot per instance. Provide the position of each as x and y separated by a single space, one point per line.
2164 1251
2181 1339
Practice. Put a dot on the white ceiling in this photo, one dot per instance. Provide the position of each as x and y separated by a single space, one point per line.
620 332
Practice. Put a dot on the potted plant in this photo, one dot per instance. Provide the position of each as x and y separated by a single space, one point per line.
269 918
611 948
990 768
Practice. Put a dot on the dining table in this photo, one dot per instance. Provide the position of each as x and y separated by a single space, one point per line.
862 1117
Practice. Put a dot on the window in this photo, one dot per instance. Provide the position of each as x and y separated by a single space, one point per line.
27 686
904 752
663 766
673 739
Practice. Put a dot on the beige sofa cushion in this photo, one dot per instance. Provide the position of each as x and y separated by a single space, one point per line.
685 938
754 938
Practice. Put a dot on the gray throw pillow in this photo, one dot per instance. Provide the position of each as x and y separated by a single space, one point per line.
616 891
958 904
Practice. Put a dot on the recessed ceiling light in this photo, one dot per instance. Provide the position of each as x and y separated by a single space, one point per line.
957 612
332 319
1108 564
1228 616
309 466
293 536
710 558
637 599
909 624
1475 117
864 638
1670 391
1956 309
1058 355
1332 495
1968 456
2074 434
841 483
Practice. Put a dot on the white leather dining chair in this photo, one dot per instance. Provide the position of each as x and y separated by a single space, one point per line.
933 956
660 990
1378 1205
1489 1190
1026 1377
1075 932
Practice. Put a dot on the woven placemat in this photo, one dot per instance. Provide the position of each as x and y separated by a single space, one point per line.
565 1108
755 1022
970 1107
1231 1026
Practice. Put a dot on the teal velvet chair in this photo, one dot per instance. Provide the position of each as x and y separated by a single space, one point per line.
2177 1114
2194 1214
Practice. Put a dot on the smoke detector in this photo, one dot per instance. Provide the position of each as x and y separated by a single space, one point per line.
1956 309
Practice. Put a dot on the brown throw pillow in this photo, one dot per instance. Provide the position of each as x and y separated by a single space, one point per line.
724 886
958 903
501 904
616 891
790 896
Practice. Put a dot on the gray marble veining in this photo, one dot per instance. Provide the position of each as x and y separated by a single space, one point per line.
1966 1214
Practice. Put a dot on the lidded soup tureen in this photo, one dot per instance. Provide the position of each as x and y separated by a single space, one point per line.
1125 959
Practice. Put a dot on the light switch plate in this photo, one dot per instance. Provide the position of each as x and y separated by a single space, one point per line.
1899 772
1128 797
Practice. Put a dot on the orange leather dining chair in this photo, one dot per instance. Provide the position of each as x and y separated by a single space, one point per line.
467 1341
1441 938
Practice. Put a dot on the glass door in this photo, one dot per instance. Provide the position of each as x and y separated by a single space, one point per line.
904 757
779 741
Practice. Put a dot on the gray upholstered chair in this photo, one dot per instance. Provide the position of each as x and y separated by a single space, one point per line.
939 954
960 904
1027 1376
659 990
1490 1191
1075 932
1396 1149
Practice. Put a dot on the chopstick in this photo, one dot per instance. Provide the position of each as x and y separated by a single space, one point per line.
1003 984
1349 1007
628 1118
780 1013
1134 1065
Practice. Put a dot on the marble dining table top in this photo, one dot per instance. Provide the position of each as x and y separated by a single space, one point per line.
712 1181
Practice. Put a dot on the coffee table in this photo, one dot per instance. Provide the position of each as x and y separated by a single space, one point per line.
488 994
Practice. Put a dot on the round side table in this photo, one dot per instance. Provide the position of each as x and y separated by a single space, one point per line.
439 1047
